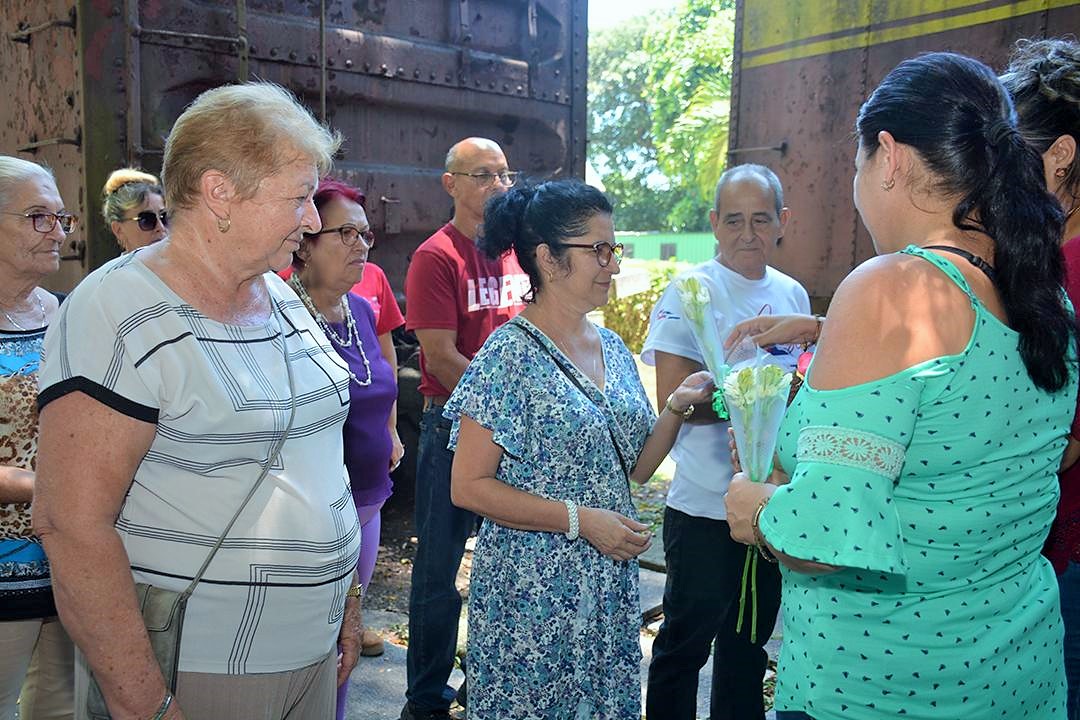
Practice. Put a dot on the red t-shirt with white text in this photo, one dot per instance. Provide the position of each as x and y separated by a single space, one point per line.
451 285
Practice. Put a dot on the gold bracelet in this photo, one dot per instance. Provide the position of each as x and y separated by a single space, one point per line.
684 414
759 539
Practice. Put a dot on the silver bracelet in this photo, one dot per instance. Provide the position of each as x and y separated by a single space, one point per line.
572 519
164 707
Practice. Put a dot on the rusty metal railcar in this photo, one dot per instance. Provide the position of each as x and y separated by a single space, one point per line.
91 85
803 68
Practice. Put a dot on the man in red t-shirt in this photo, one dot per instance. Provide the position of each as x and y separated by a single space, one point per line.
454 298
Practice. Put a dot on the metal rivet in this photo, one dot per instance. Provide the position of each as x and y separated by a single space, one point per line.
416 73
348 63
367 66
292 54
273 52
330 62
558 72
520 88
432 76
383 68
491 85
312 58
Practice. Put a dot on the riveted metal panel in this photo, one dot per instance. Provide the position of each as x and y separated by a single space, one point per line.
41 113
402 81
803 69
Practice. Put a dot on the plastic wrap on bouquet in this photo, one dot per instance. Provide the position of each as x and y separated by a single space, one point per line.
697 307
755 393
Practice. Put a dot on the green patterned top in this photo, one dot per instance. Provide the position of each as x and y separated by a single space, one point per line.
934 489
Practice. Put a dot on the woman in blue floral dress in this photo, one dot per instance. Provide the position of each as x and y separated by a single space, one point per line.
550 424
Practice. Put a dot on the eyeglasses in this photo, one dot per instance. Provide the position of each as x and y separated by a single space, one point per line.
148 220
486 179
604 251
350 235
45 222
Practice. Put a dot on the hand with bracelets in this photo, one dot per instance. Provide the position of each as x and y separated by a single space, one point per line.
768 330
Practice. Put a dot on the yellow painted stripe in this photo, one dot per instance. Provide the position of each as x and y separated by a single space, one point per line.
883 35
769 23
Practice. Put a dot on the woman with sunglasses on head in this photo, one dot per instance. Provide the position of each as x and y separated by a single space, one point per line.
551 423
133 205
326 265
33 643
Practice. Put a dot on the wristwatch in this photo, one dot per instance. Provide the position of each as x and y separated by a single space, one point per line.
671 408
356 591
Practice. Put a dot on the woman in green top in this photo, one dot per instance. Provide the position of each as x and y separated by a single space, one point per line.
923 447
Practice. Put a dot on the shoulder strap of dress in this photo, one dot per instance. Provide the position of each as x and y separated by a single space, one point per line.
946 267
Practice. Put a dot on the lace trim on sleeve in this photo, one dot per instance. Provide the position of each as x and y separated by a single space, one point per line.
851 448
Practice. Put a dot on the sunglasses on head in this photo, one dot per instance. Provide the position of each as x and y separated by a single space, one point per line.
148 220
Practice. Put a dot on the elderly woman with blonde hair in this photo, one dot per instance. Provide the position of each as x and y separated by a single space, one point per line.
222 404
133 206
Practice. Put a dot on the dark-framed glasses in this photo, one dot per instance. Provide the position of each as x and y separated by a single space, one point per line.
350 235
148 220
604 251
486 179
44 222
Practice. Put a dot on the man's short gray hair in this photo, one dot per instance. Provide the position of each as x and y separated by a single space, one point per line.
750 169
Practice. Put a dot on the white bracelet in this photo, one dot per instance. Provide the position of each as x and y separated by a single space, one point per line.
572 519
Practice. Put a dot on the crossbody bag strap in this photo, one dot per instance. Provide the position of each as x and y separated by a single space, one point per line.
570 375
275 451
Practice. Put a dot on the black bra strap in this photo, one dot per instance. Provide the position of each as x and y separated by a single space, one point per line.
973 259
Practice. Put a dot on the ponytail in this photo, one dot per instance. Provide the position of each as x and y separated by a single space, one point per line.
957 116
527 216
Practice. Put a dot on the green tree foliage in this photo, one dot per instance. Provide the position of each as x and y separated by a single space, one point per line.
659 90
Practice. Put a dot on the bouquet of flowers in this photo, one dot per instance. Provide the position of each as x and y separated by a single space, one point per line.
756 397
697 309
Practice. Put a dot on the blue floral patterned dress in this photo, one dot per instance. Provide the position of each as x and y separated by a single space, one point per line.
553 624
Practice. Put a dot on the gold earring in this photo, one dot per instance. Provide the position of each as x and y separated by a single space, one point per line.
1060 173
223 225
888 185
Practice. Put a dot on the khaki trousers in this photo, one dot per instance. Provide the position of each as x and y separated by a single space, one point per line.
36 662
309 693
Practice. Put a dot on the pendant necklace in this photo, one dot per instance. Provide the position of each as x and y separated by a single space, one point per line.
41 307
351 333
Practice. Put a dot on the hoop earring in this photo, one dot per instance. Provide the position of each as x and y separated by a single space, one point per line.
888 185
223 225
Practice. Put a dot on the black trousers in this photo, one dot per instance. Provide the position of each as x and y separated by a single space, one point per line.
701 604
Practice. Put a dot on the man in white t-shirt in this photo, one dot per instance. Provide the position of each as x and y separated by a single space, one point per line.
704 565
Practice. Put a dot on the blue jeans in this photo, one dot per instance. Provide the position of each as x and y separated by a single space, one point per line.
434 602
701 606
1069 583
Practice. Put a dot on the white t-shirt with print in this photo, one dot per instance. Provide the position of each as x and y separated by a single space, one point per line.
701 455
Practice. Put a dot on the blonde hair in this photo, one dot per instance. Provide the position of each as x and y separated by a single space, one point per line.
15 170
247 132
125 190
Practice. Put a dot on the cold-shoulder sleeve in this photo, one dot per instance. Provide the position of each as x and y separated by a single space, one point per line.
838 508
493 391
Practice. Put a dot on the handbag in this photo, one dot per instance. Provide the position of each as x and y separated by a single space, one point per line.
566 371
163 610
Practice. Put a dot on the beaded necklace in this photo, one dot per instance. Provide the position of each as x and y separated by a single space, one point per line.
350 327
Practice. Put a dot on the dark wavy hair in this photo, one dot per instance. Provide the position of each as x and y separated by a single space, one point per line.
1043 79
958 117
529 215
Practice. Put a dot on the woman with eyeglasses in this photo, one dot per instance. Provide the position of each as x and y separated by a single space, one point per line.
36 654
551 424
326 266
133 205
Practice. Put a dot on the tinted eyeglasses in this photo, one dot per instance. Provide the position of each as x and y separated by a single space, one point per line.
350 235
148 220
44 222
604 251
